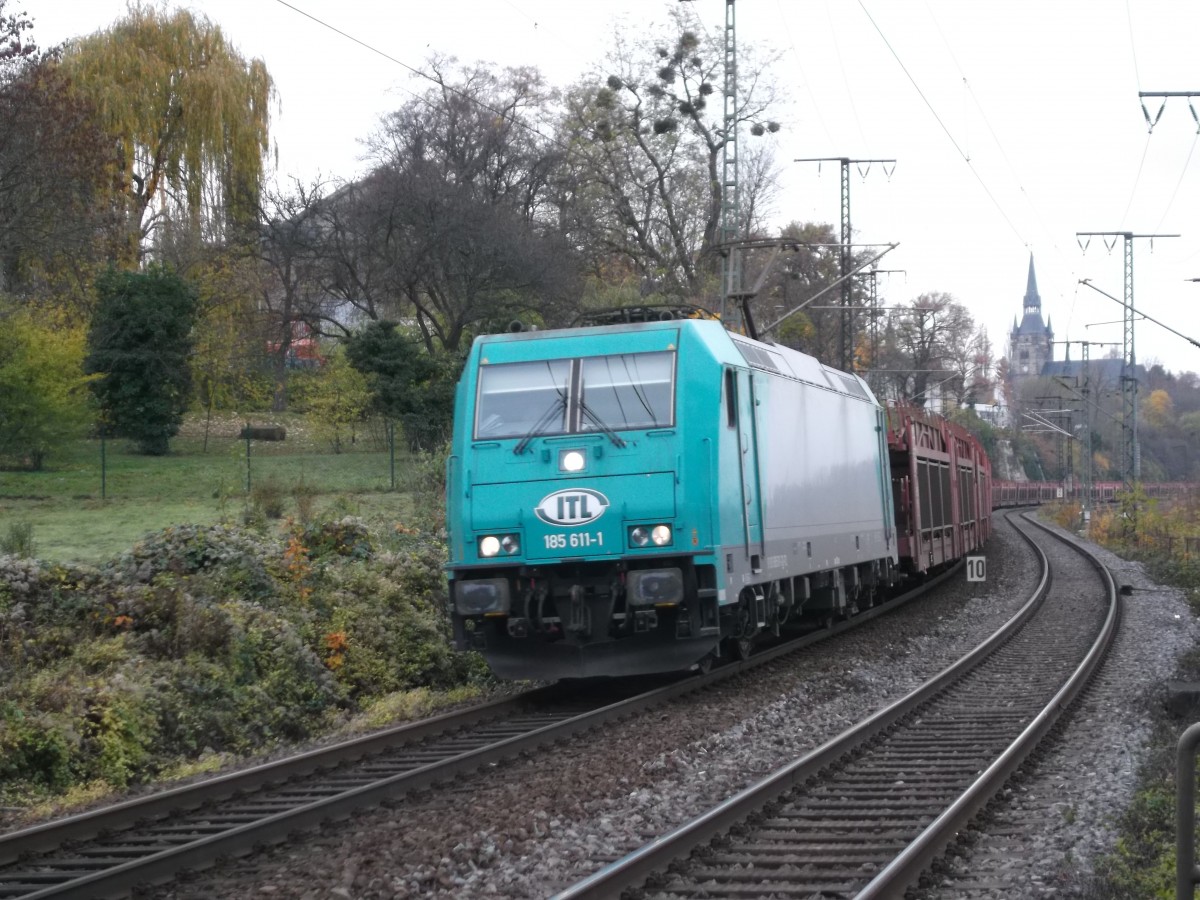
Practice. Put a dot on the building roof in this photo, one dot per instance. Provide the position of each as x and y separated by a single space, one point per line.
1099 371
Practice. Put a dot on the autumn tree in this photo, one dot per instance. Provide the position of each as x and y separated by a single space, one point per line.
230 340
189 115
646 133
1158 409
792 291
139 344
43 391
338 400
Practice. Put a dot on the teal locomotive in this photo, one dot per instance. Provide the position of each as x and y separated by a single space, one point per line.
649 496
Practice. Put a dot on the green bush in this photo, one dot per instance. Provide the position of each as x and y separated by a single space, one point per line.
31 751
212 639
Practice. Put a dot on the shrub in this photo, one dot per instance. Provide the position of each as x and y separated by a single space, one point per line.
31 751
267 497
205 639
305 497
18 541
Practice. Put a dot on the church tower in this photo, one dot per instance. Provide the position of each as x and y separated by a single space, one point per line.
1031 343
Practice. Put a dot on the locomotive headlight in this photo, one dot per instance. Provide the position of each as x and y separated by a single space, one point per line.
571 461
644 535
492 545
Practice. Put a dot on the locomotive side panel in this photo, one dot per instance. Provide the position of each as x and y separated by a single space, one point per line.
821 466
807 521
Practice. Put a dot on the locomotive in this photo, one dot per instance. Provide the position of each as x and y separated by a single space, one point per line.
648 496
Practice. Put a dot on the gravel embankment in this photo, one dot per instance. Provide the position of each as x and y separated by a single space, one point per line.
532 826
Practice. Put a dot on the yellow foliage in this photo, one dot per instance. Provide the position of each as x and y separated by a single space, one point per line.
1159 409
187 112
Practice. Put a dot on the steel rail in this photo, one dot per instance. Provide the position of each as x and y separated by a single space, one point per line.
634 868
908 865
82 826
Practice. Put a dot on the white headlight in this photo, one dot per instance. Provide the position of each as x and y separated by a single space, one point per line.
571 461
661 535
489 546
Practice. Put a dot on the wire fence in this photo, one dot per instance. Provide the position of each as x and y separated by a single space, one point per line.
224 460
1167 544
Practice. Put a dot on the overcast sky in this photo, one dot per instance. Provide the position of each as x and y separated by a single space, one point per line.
1013 124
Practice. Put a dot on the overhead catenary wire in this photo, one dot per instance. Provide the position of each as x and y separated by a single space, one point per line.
941 124
507 117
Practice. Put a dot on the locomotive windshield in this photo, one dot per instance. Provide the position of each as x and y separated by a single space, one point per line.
567 396
632 390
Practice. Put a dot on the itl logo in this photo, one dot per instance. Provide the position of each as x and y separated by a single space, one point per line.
577 507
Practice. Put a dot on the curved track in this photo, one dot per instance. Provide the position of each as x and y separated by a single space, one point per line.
110 851
865 814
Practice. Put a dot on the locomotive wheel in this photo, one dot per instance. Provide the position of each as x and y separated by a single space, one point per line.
741 647
741 643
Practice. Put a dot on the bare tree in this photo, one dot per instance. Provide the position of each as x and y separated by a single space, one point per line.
642 182
292 300
454 227
923 343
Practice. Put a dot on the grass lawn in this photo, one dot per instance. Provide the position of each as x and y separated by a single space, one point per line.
83 510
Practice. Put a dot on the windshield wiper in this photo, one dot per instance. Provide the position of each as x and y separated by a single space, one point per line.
617 440
541 424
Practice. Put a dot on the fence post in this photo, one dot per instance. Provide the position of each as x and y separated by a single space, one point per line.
1186 874
391 433
247 456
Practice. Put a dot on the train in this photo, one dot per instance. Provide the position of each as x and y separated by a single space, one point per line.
1036 493
651 496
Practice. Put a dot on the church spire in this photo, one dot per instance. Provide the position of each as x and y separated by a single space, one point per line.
1031 344
1033 301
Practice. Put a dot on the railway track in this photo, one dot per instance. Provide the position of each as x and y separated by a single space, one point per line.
866 813
111 851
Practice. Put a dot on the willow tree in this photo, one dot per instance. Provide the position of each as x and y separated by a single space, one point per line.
190 117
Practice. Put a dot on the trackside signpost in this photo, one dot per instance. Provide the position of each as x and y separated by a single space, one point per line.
976 568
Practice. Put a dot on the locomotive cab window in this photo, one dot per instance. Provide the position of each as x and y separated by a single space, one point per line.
518 398
568 396
631 390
